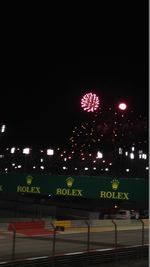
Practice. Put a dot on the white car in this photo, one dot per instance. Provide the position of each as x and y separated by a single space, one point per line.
122 214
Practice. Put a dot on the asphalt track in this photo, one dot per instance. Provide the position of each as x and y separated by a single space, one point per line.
65 243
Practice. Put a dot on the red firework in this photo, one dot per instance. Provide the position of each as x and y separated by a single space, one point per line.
90 102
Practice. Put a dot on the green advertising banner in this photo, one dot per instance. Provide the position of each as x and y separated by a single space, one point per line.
133 189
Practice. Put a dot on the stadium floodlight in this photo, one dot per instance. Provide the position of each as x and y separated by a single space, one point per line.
50 152
26 151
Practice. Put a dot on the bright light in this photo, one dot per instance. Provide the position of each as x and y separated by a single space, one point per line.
131 155
26 151
120 150
127 170
12 151
50 152
64 168
122 106
3 127
86 168
99 155
90 102
144 156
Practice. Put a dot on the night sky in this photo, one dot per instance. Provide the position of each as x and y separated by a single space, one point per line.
41 92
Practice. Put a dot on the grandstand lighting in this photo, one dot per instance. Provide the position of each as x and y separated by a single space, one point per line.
127 170
50 152
42 167
147 168
99 155
144 156
3 128
12 151
94 168
120 151
131 155
86 168
26 151
64 168
19 166
122 106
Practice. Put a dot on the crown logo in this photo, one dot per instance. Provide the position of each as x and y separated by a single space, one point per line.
115 183
69 181
29 179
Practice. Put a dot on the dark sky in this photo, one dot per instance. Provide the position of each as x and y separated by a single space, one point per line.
41 91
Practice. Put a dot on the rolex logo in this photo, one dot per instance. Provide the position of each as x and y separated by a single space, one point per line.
115 183
69 181
29 179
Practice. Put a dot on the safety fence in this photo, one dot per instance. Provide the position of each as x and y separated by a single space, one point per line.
45 238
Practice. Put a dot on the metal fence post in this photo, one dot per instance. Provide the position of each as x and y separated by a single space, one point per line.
14 244
88 241
53 247
142 237
116 240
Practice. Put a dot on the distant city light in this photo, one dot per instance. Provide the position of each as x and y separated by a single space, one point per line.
26 151
12 151
50 152
131 155
122 106
3 127
99 155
